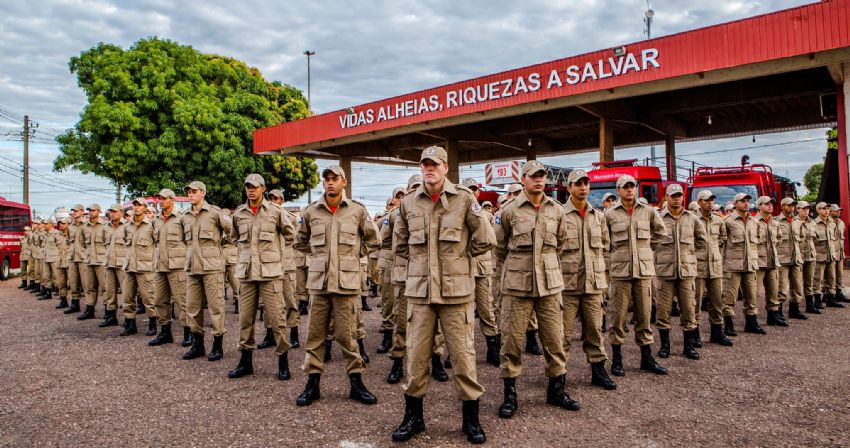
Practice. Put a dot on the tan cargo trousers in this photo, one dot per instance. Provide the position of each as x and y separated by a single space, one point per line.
684 290
170 293
210 286
732 283
344 310
516 312
588 308
250 294
714 289
623 293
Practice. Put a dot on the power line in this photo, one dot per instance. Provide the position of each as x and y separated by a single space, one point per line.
86 192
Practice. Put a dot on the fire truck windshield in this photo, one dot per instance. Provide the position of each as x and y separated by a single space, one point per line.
598 189
725 194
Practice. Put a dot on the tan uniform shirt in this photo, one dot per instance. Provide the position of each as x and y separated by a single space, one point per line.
530 241
63 252
710 258
334 242
675 253
140 246
807 240
632 237
25 248
261 239
740 254
483 264
288 248
116 247
839 237
168 235
38 245
386 255
825 244
54 245
585 248
437 242
76 242
97 236
768 231
203 234
789 240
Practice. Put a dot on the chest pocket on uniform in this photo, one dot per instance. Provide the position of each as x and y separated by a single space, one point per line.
551 236
643 231
595 236
317 234
450 228
267 231
416 228
348 233
619 232
523 233
244 232
573 233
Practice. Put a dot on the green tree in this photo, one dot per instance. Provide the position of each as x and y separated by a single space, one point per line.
161 114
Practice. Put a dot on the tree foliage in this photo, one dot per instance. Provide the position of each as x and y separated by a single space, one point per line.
812 182
161 114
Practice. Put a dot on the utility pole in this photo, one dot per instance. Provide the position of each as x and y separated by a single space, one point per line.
309 53
647 19
26 159
117 193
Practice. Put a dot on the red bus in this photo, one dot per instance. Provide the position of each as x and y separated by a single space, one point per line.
13 218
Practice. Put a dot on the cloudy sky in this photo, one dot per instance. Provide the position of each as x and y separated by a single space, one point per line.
365 51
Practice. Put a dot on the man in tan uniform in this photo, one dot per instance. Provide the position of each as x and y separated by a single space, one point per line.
263 229
835 215
204 226
483 269
790 259
54 246
634 228
583 268
828 252
676 269
170 278
63 264
97 236
37 256
807 251
709 279
530 235
400 308
740 263
228 249
385 265
25 256
139 265
332 231
439 230
113 277
76 257
768 273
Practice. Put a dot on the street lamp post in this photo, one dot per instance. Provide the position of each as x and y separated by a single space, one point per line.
308 53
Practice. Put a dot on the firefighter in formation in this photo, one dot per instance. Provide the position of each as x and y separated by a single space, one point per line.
439 260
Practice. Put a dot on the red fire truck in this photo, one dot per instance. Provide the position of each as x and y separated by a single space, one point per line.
503 174
13 218
604 175
754 179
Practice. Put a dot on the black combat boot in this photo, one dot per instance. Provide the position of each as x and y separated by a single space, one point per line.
839 297
831 302
509 405
187 337
557 395
48 295
128 328
729 326
437 371
696 339
283 373
24 285
88 313
819 302
198 348
386 342
362 348
63 303
689 351
217 352
328 345
164 336
32 287
599 377
774 321
364 305
531 346
44 293
293 338
648 363
303 307
109 319
245 366
268 340
493 350
358 390
617 360
794 311
151 326
396 371
718 337
311 391
413 422
751 325
448 363
780 314
664 350
810 305
471 425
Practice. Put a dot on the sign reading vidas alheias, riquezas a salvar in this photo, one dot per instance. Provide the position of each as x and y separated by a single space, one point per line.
508 87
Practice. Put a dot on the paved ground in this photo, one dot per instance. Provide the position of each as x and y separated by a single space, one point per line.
70 383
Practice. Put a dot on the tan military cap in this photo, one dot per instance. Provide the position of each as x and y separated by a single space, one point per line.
513 188
576 175
27 228
470 183
532 167
835 208
693 206
94 207
140 201
764 200
336 169
398 190
486 204
608 195
434 153
742 196
624 180
255 180
821 205
788 201
166 193
415 179
196 185
705 195
802 204
276 193
116 208
674 189
80 207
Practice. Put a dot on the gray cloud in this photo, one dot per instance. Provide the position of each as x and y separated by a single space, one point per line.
365 51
